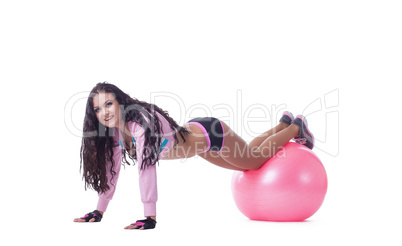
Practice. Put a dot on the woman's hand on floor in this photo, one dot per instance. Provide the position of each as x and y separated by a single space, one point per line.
81 219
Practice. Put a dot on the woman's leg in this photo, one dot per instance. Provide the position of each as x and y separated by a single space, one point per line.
240 154
196 143
256 142
235 152
216 159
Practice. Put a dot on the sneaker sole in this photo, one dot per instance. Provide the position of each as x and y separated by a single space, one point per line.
305 122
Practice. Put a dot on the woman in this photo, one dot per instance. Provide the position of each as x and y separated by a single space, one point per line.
117 125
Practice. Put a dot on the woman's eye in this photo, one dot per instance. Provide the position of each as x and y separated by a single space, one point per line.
96 110
109 104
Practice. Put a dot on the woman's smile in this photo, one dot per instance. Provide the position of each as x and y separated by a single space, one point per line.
109 118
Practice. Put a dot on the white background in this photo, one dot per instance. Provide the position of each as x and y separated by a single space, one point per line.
344 56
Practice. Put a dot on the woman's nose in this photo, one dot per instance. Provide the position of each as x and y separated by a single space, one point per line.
104 113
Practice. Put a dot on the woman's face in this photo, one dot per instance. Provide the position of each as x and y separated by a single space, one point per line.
107 109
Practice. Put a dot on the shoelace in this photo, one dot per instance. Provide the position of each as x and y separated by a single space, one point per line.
301 140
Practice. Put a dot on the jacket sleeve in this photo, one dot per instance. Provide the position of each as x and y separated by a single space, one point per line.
147 176
104 198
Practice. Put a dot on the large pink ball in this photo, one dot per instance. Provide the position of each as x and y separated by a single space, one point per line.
290 186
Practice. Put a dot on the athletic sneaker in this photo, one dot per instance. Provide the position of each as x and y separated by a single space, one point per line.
305 137
287 117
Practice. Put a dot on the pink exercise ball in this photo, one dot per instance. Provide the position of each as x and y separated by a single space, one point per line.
290 186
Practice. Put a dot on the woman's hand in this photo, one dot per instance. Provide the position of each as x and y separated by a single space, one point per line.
131 227
143 224
83 220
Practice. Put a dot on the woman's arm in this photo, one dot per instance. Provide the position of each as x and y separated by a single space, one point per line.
147 176
104 198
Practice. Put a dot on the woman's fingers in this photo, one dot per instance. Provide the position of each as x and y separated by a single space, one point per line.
83 220
131 227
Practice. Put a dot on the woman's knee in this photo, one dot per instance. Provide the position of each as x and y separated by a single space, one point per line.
256 162
214 158
257 165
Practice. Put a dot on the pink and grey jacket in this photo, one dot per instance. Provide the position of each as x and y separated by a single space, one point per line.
147 176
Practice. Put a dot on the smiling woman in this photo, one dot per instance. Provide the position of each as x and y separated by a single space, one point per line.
116 124
107 111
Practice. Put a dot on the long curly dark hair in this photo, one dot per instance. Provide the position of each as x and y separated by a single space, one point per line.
97 141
